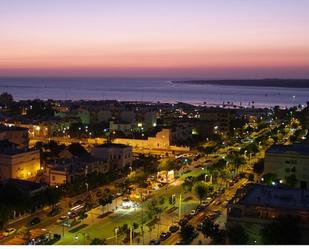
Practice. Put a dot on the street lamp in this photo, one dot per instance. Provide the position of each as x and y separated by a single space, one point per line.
116 234
84 235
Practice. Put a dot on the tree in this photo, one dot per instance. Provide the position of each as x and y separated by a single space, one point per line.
97 241
201 190
137 177
269 178
186 232
4 215
209 229
291 180
258 167
237 235
282 231
52 196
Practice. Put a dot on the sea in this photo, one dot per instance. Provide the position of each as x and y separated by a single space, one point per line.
150 89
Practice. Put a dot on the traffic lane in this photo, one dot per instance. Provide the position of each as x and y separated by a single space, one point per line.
210 208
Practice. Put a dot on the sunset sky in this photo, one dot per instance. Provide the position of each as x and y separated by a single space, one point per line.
193 38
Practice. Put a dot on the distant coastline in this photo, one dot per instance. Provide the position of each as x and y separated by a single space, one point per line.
290 83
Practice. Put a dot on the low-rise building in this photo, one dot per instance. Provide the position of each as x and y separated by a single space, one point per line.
289 160
256 205
68 171
15 134
18 163
118 155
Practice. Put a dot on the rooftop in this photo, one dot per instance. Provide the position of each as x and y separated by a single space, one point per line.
24 185
8 148
300 149
275 197
112 145
12 128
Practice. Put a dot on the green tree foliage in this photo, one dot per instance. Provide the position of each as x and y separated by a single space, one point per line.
186 232
291 180
258 167
209 229
137 177
237 235
153 209
269 178
97 241
282 231
201 190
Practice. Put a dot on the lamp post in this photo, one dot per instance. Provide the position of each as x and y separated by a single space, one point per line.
116 234
84 236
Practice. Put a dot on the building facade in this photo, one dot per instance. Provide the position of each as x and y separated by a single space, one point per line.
19 164
256 205
289 160
118 155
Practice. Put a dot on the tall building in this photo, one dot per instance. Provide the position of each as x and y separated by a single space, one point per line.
255 206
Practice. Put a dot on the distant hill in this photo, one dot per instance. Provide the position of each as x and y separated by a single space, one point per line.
292 83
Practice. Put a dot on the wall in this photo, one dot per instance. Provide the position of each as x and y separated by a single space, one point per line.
21 166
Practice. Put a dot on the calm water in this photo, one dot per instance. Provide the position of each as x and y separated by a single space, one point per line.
149 90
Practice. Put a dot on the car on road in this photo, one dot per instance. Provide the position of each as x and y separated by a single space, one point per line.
174 229
165 235
9 231
200 208
183 222
192 212
188 216
155 242
34 221
62 219
71 222
55 211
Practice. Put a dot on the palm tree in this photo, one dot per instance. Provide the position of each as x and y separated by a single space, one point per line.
97 241
201 190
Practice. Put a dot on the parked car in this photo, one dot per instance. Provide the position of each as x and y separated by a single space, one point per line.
99 194
174 229
183 222
200 208
9 231
155 242
165 235
34 221
1 236
188 216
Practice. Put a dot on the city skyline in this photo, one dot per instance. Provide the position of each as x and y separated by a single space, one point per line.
227 39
